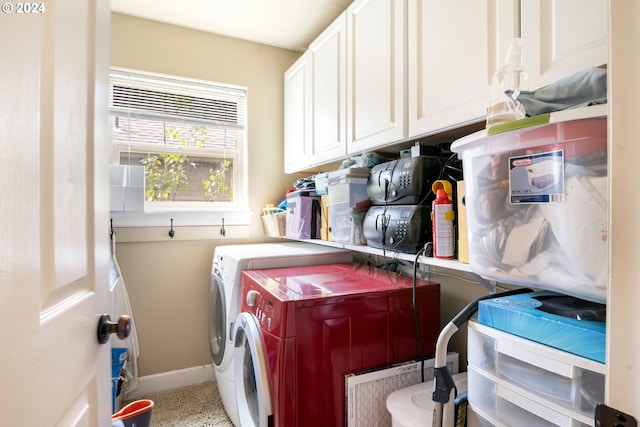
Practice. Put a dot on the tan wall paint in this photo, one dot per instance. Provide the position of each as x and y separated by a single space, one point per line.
168 288
156 47
168 282
455 294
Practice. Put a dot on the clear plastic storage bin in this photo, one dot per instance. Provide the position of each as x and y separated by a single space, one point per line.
474 419
347 190
537 203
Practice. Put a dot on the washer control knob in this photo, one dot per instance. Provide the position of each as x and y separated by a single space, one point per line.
252 298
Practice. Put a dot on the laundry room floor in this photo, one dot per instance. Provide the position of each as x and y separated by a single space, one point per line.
197 405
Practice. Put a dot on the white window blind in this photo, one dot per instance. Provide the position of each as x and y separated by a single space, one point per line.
163 98
187 134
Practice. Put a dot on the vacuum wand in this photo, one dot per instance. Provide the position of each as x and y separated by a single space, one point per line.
444 389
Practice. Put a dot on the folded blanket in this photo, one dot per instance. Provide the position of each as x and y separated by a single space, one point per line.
584 88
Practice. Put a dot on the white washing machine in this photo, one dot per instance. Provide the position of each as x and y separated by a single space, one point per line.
226 270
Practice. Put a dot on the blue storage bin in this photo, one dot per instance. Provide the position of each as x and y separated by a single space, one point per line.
118 359
522 315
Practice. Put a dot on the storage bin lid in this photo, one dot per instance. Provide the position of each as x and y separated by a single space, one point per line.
342 174
521 128
411 406
357 172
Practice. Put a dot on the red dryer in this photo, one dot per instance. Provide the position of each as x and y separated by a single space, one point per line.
301 330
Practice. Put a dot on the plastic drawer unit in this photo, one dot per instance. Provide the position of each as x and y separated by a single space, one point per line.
476 420
517 382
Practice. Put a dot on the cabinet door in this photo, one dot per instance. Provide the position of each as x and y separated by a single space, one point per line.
297 117
563 37
375 73
328 51
453 50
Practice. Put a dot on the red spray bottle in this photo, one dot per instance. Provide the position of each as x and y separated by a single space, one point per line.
442 216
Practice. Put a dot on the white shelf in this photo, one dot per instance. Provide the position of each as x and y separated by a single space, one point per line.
442 263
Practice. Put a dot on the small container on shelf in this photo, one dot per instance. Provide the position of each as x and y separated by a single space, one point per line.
347 204
274 221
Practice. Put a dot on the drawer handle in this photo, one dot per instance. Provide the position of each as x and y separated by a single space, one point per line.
545 363
533 407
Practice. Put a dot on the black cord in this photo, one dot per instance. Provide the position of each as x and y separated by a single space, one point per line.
453 168
391 265
415 312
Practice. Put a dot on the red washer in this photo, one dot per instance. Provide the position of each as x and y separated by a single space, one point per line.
301 330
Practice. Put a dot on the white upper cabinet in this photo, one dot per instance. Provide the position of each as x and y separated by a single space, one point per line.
328 112
375 73
453 50
297 117
388 71
563 37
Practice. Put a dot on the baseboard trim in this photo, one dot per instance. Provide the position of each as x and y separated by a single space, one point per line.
164 381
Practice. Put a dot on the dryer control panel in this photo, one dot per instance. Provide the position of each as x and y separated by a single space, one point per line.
262 306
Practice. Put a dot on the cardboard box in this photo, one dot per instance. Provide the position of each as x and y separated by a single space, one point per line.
461 215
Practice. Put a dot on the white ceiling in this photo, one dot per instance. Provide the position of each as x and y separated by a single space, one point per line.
289 24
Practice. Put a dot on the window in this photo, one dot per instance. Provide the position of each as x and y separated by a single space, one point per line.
188 135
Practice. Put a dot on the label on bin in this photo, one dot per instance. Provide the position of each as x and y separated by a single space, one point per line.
537 178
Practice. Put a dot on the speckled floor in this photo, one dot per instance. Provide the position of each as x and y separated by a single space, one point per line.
197 405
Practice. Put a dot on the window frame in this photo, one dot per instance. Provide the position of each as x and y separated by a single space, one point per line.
191 213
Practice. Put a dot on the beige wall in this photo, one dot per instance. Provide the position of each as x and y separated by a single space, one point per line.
168 282
168 286
456 291
152 46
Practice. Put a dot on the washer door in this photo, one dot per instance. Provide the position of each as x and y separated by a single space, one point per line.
217 319
253 395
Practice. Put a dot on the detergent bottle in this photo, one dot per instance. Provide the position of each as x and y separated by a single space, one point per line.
506 85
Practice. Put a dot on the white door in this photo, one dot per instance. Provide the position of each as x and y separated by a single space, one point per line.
217 320
253 394
53 211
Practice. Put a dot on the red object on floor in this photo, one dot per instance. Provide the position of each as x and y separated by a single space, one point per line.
136 413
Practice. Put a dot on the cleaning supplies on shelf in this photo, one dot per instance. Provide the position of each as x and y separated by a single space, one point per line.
506 85
442 216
